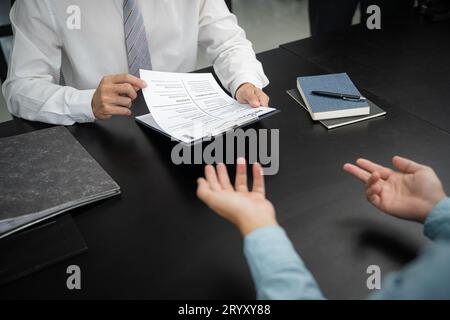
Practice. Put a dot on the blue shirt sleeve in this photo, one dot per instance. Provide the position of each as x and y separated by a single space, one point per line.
437 224
277 270
427 277
279 273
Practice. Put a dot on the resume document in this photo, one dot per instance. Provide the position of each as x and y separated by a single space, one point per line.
192 106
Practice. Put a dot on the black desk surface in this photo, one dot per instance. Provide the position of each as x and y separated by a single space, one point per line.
406 63
158 241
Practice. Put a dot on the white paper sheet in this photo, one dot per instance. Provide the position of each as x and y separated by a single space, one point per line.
191 106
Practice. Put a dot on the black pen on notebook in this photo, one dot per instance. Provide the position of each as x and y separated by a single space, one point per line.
343 96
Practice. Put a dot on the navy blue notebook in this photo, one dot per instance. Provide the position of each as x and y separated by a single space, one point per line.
322 108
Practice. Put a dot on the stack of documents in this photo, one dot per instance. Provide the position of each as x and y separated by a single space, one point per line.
190 107
45 173
333 100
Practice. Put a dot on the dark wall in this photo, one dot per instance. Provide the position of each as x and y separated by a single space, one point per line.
228 2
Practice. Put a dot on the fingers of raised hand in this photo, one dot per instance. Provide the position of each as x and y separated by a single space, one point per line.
211 178
357 172
241 176
223 177
258 179
372 167
406 165
203 190
374 185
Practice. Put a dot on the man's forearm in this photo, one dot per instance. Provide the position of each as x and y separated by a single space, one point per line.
47 102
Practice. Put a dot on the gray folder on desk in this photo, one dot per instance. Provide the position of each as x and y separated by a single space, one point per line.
375 112
45 173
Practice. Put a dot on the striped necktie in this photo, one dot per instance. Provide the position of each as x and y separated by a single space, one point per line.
138 52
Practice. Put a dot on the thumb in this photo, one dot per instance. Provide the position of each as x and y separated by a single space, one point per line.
248 95
405 165
252 99
142 84
203 191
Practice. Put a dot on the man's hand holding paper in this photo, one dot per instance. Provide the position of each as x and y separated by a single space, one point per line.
252 95
115 95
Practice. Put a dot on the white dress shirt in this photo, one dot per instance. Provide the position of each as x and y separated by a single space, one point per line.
46 43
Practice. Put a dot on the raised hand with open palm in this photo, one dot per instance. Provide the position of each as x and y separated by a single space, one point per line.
409 193
247 210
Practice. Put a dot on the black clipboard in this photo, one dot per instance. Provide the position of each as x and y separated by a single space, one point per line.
148 121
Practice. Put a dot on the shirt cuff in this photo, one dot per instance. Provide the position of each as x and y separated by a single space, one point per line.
80 106
437 224
240 80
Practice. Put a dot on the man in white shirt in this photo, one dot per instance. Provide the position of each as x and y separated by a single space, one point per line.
72 59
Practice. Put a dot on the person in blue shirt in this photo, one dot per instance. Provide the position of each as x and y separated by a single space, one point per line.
413 192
